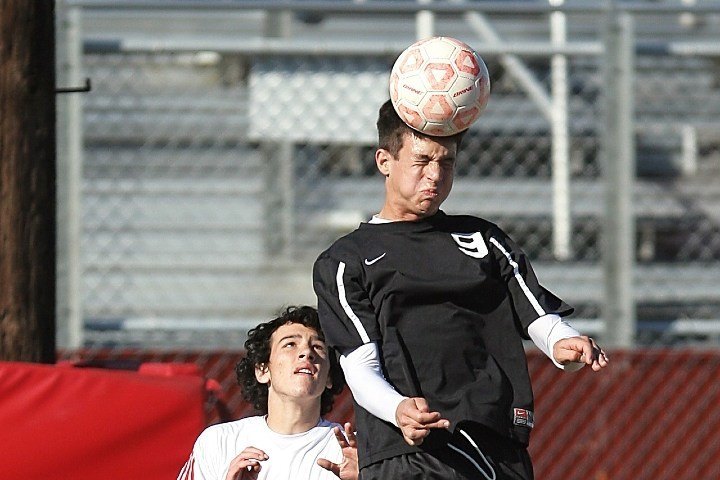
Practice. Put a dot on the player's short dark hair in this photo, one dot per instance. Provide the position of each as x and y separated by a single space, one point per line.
391 130
258 346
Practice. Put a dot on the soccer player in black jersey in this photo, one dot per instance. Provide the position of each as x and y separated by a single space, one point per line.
428 312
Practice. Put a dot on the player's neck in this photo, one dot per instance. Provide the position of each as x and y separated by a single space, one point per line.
390 214
289 417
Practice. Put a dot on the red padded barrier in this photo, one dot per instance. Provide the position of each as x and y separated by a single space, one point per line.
60 422
654 414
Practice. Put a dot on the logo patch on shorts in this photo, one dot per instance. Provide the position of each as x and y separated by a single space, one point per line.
523 417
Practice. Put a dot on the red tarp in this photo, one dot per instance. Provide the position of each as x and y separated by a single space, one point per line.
61 422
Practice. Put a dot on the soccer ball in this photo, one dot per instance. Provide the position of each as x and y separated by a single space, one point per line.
439 86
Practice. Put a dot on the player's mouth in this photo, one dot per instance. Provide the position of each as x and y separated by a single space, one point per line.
305 370
430 193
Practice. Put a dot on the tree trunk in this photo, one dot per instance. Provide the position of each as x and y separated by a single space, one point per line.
27 181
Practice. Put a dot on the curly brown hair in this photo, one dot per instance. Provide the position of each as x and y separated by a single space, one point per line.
257 348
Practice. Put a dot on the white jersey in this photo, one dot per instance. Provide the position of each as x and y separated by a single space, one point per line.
289 456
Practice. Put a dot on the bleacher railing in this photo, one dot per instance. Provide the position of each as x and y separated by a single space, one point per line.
225 144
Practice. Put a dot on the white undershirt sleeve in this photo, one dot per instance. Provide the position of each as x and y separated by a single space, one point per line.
547 330
368 384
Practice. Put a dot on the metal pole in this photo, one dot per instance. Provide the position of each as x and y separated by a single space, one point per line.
287 186
560 138
395 7
279 198
618 147
72 165
278 24
424 22
512 63
689 164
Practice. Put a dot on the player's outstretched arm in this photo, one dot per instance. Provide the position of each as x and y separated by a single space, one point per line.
415 420
348 468
580 349
246 465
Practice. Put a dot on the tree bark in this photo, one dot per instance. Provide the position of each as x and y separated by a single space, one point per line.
27 180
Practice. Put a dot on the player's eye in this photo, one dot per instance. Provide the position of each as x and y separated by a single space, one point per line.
447 163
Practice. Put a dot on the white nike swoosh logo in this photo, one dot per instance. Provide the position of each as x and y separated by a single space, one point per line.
370 262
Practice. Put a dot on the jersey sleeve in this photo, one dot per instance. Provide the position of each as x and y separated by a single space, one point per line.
204 463
367 382
346 313
530 299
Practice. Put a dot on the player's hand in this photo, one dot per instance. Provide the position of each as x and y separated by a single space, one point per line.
348 468
581 350
415 420
246 465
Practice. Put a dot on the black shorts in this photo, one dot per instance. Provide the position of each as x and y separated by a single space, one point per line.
498 457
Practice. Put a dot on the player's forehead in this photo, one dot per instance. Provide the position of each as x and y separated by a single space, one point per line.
417 145
296 331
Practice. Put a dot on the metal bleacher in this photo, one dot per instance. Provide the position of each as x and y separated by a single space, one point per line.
176 228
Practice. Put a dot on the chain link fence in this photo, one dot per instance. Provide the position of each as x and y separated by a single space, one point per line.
222 150
213 172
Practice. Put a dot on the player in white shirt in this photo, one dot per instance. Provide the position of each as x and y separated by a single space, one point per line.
289 376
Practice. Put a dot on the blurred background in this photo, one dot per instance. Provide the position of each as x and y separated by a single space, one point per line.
224 145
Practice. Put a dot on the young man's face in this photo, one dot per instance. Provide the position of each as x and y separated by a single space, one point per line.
419 178
298 367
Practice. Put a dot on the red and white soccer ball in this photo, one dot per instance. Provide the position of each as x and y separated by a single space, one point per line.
439 86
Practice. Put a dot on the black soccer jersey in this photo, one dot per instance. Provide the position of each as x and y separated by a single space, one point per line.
448 299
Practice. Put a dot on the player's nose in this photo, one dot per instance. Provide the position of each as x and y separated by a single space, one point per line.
306 352
433 171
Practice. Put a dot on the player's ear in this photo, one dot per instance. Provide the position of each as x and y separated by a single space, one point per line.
382 161
262 373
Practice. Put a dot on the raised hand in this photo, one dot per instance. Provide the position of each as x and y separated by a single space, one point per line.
581 349
415 420
348 468
246 465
